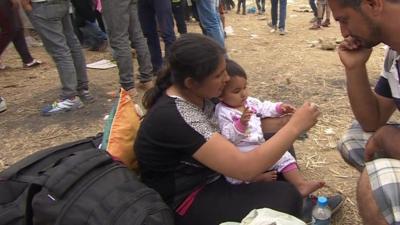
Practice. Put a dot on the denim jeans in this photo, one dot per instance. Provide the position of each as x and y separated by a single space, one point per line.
282 13
53 23
12 31
179 15
210 20
93 36
151 14
313 7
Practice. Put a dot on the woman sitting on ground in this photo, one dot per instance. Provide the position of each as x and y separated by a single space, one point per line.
182 155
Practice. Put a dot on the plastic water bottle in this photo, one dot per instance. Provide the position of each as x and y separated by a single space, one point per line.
321 214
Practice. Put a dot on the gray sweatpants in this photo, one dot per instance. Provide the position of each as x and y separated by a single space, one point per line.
53 23
124 32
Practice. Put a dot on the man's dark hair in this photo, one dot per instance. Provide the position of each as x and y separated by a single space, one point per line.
355 4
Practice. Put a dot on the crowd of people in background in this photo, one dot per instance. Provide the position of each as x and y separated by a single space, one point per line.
122 25
65 27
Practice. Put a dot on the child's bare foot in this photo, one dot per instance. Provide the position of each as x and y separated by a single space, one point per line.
267 177
309 187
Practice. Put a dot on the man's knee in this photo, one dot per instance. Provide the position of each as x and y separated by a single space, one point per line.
351 146
367 206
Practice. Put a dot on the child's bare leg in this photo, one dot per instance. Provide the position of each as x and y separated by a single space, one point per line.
303 186
266 177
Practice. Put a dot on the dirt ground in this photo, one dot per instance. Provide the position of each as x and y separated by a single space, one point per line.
280 68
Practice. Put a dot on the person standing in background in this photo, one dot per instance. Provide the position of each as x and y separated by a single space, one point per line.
260 6
282 16
241 3
153 13
52 21
89 33
11 30
178 9
314 9
124 32
210 20
322 10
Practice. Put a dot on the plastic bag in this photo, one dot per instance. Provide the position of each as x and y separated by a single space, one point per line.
266 216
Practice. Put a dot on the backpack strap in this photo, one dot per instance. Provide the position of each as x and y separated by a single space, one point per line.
38 180
71 169
38 156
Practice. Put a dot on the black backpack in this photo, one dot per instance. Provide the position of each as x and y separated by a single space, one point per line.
76 184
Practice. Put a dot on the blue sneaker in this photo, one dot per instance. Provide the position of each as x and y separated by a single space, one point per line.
61 106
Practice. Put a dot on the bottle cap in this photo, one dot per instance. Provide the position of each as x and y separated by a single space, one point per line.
322 201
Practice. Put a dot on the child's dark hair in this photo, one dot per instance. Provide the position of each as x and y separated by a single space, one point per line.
234 69
192 55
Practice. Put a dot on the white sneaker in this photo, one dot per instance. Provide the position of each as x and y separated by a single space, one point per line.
3 105
32 64
274 27
62 106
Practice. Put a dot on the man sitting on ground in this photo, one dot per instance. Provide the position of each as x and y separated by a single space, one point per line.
364 24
